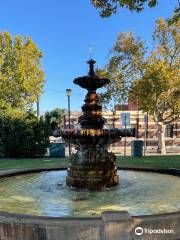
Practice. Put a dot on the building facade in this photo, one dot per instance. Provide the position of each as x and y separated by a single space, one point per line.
146 129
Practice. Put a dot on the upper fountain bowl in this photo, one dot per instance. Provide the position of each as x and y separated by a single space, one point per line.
91 81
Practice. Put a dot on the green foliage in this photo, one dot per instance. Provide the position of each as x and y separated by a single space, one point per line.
21 74
55 119
155 94
125 65
167 42
152 79
158 90
176 15
26 136
109 7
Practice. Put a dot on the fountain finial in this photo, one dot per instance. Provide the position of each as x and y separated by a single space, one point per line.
91 63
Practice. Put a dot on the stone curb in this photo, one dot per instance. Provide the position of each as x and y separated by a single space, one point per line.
13 172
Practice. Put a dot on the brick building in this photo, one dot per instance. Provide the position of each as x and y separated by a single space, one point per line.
137 120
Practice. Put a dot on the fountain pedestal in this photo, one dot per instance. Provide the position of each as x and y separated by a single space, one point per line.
92 166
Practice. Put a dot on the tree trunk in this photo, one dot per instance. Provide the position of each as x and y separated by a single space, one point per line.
161 138
163 144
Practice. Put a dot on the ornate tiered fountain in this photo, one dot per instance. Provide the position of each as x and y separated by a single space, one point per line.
92 166
64 214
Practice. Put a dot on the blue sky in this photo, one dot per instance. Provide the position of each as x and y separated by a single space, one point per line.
64 30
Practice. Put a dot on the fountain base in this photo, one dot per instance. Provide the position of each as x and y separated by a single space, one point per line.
92 176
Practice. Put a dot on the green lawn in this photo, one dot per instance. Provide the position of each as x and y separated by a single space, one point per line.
6 163
148 161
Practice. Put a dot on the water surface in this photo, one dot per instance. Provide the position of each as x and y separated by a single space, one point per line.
46 194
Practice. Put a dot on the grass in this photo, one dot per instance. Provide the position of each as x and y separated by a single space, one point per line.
150 161
147 161
8 163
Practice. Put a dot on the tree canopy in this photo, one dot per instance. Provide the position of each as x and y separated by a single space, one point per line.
130 59
21 74
150 78
158 93
158 90
109 7
55 118
155 93
126 64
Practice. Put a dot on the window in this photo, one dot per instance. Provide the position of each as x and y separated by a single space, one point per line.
169 130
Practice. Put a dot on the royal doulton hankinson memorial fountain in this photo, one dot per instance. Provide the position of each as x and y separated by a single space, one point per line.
92 166
91 184
85 201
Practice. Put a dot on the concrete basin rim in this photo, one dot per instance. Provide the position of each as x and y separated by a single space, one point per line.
22 171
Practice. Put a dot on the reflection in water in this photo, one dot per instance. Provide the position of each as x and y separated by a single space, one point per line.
45 193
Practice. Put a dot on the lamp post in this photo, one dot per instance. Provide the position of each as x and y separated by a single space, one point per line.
68 92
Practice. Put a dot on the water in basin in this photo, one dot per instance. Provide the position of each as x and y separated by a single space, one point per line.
46 194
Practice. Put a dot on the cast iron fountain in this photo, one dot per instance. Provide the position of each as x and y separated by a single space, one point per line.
92 166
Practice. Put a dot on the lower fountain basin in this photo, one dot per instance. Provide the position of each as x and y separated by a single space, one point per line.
46 194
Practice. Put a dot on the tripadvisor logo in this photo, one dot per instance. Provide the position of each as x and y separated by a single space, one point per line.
140 231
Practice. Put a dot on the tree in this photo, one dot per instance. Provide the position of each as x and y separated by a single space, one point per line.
167 42
109 7
125 65
151 78
21 74
158 91
156 96
55 119
176 15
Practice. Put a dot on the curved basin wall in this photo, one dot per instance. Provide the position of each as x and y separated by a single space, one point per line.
112 225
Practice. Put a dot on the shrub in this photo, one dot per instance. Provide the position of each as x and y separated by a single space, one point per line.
24 137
